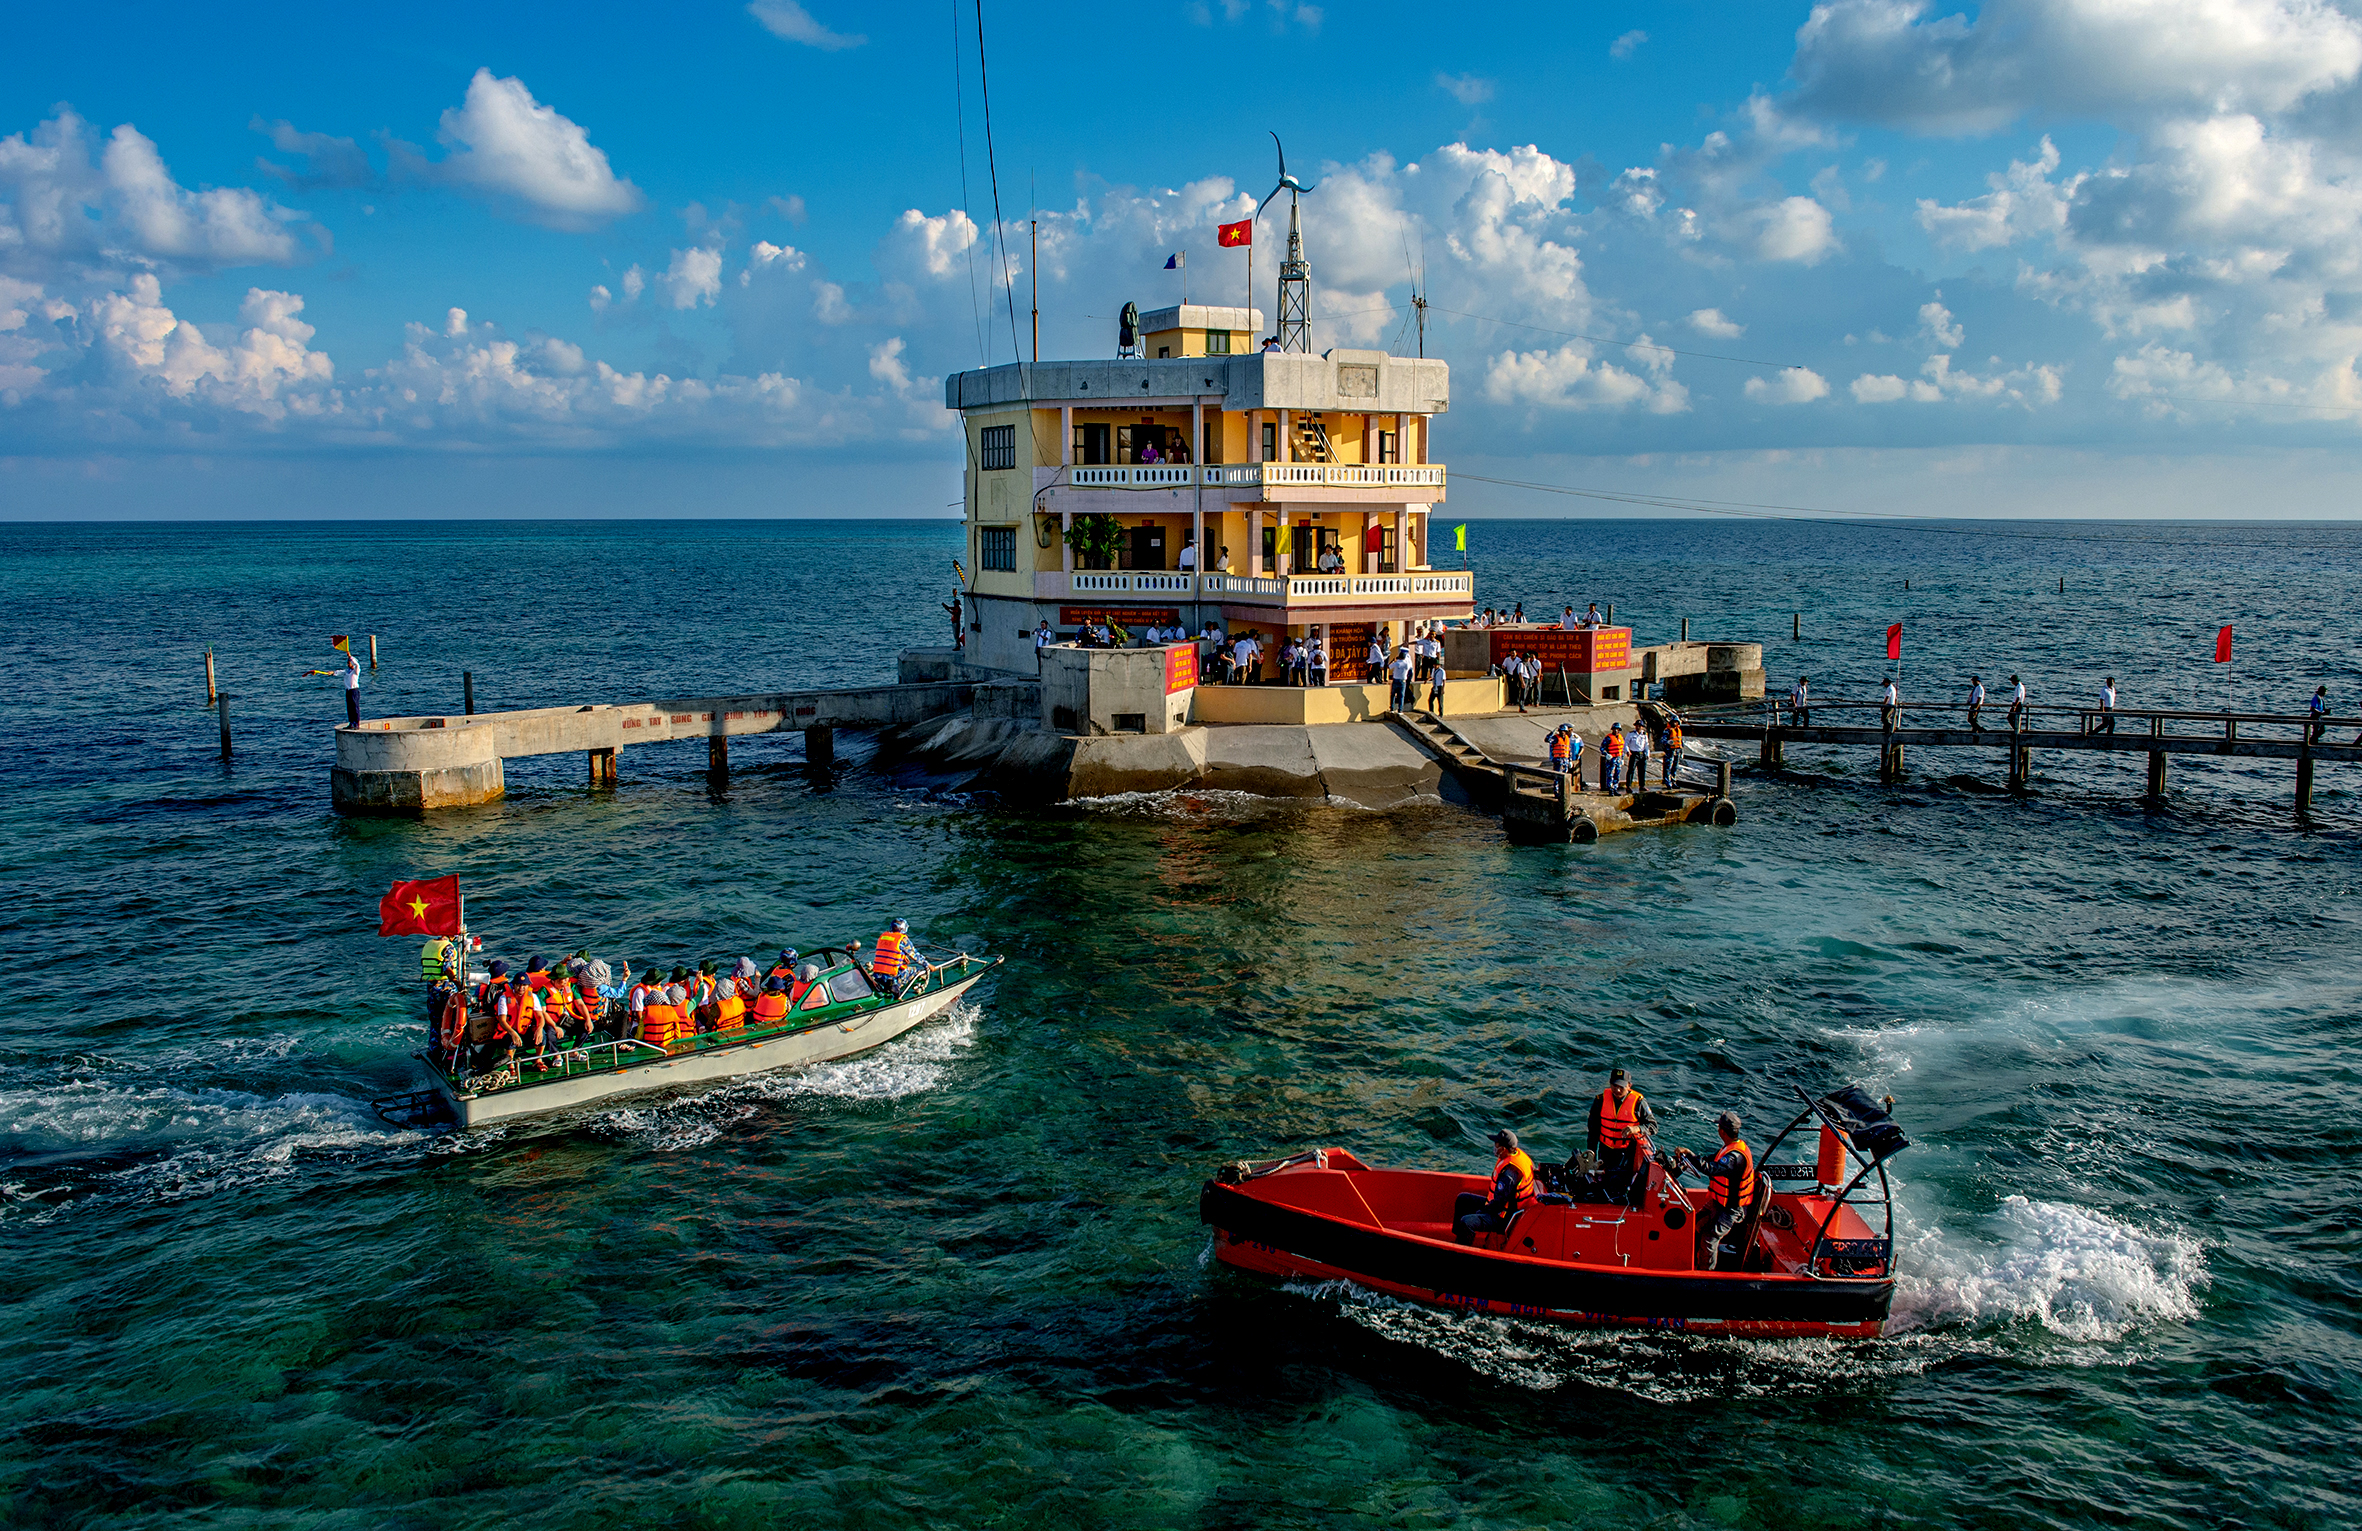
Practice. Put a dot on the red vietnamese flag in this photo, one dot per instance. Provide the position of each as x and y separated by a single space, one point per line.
1231 235
2222 647
1894 641
428 908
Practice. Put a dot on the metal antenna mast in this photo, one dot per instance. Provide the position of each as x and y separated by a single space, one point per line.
1295 273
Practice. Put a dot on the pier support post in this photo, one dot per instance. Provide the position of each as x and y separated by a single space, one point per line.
1566 798
2304 783
1722 778
2021 766
2156 776
222 701
1796 625
602 768
717 757
373 651
467 690
209 688
820 745
1685 629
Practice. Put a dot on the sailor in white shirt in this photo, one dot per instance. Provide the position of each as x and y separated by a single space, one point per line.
1592 618
1891 703
1399 694
1187 562
1042 639
1800 710
1976 703
2017 703
1317 662
2107 707
1570 621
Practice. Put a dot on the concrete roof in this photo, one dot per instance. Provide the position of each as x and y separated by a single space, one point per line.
1346 381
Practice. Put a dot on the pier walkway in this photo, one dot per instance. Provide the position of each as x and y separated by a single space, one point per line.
402 766
2156 733
1537 805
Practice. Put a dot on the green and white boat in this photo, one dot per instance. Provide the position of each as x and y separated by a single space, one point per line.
841 1013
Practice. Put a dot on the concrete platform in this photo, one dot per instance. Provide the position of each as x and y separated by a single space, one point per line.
1372 765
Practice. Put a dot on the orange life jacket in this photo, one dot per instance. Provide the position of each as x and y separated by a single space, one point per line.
1614 744
732 1010
1718 1187
1528 1188
1618 1124
1559 748
660 1022
890 956
780 970
1673 737
770 1008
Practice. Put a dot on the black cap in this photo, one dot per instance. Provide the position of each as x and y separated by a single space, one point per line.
1618 1075
1504 1139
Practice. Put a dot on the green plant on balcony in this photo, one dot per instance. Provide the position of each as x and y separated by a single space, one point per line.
1096 539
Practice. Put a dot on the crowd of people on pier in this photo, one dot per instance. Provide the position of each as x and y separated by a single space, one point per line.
522 1022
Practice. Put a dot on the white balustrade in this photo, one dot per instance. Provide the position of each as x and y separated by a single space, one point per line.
1324 475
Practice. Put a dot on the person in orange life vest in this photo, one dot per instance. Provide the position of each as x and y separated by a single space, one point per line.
537 1030
1611 759
492 1031
537 974
1730 1189
770 1007
1562 754
629 1021
894 957
729 1009
785 967
1515 1188
1621 1126
661 1021
747 979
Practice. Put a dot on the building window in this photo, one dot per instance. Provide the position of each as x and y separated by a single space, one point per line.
1389 447
1270 441
996 547
1093 446
1164 353
997 447
1217 342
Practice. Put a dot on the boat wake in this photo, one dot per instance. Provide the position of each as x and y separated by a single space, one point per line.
911 1064
100 1128
2059 1273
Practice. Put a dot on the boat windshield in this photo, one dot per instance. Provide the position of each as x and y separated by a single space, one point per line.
848 984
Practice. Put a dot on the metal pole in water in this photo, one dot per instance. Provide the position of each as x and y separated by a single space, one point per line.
373 651
1685 629
467 690
223 703
209 689
1796 625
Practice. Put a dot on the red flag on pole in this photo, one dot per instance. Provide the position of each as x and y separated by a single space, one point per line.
429 908
1232 235
1894 641
2222 646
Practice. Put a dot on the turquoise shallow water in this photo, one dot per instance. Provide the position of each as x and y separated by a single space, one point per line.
960 1281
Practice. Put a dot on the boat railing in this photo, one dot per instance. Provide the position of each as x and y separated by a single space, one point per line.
621 1052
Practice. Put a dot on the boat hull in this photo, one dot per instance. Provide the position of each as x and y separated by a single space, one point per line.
821 1044
1257 1235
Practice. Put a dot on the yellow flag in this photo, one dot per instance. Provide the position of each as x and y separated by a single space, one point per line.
340 641
1461 533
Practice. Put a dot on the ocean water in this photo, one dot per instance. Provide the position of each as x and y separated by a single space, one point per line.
960 1281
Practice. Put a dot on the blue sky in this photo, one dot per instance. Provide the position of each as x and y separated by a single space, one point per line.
2086 257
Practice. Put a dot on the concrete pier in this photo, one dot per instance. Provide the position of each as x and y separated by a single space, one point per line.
402 766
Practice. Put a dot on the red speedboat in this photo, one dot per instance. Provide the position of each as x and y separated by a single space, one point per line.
1804 1261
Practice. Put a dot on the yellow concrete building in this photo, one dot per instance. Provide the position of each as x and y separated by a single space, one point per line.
1204 480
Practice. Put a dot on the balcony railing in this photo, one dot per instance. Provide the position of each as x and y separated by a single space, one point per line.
1287 590
1251 475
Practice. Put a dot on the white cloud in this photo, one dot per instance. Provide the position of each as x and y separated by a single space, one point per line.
268 371
886 365
1792 385
635 282
1793 229
1710 321
768 257
2023 204
600 297
1935 321
455 322
789 21
1568 378
508 145
1897 62
695 276
1937 382
65 201
1467 89
1879 388
1626 45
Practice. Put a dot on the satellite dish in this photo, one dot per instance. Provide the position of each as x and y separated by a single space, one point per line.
1128 336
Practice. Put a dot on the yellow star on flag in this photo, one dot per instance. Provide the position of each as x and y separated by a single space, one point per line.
418 906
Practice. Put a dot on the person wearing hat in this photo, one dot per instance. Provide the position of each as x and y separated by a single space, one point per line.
1621 1126
1515 1188
785 967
